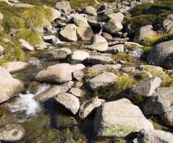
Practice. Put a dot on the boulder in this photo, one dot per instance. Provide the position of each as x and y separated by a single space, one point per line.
78 75
53 91
160 102
80 20
57 54
77 67
12 133
84 33
146 87
26 45
87 107
69 33
167 24
136 53
56 13
1 50
167 117
153 136
159 53
116 16
90 10
64 7
58 73
4 73
98 59
78 56
116 48
16 66
9 87
104 79
144 33
70 101
77 92
119 119
113 26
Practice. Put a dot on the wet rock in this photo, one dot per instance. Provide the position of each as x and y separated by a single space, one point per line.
63 6
159 53
147 86
26 45
78 56
16 66
119 119
9 87
167 117
57 54
90 10
69 33
87 107
65 121
98 59
50 38
77 92
116 48
160 101
84 33
144 32
103 79
12 133
153 136
53 91
70 101
80 20
58 73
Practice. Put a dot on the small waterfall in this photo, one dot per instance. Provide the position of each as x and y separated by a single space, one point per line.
27 104
101 30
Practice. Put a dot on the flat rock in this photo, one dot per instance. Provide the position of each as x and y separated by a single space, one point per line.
116 48
98 59
53 91
58 73
12 133
80 20
26 45
104 79
77 92
119 119
70 101
16 66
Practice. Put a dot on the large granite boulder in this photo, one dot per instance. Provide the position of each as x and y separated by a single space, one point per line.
153 136
119 119
80 20
69 33
159 53
63 6
146 87
144 33
104 79
68 100
53 90
58 73
160 102
87 107
12 133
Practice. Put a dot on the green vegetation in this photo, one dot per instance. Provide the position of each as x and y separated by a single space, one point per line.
122 56
90 73
32 37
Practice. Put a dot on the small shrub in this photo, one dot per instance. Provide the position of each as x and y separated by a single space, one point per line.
90 73
136 99
122 56
147 49
30 36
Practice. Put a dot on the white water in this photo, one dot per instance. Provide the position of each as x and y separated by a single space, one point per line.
59 41
101 30
27 104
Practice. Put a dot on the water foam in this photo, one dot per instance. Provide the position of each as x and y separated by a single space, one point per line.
27 104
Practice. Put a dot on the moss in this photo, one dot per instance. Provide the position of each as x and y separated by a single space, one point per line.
135 98
90 73
30 36
119 130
